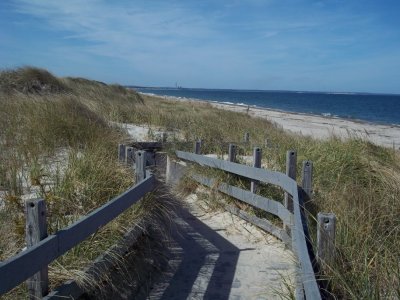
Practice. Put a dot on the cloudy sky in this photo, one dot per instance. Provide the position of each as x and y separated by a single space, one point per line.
332 45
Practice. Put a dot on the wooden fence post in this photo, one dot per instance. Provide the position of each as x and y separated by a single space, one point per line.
256 164
163 137
326 238
140 164
197 147
306 182
36 230
246 137
232 153
121 153
291 161
129 155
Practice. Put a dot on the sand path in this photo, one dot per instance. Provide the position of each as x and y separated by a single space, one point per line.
216 255
213 254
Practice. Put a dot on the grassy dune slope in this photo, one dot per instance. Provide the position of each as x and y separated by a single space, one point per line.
56 143
355 179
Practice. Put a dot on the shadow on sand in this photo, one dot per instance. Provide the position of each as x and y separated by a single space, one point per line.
201 263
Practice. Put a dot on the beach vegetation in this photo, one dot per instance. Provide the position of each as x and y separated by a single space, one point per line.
58 140
57 143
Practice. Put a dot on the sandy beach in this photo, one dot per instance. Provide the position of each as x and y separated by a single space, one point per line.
319 127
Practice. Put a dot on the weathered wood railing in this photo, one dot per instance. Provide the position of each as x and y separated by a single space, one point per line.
294 231
38 256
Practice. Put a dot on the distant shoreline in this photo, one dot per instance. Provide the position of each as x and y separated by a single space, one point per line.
317 126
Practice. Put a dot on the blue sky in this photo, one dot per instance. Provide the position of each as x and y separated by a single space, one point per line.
332 45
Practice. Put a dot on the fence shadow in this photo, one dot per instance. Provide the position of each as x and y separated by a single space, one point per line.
201 264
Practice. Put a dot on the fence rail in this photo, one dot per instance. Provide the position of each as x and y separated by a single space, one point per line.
298 226
24 265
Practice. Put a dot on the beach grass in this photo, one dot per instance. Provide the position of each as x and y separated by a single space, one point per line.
353 178
57 143
69 123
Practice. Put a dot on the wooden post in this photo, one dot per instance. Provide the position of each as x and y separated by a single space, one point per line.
197 147
140 165
129 156
291 161
246 137
326 238
306 182
232 153
256 164
163 137
121 153
36 230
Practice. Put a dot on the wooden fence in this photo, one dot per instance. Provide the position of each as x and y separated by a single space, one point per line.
42 249
295 230
32 263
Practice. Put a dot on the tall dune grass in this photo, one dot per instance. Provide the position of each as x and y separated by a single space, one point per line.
353 178
56 142
358 181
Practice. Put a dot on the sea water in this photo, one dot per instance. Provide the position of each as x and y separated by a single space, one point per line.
375 108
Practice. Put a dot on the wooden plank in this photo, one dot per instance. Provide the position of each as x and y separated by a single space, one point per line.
147 145
129 156
311 288
89 224
258 201
197 147
36 230
22 266
307 174
299 243
326 238
291 161
19 268
232 153
121 153
263 175
261 223
257 154
140 163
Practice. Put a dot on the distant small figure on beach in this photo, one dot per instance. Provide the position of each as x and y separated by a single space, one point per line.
248 109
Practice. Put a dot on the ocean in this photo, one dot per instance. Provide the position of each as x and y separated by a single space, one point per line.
373 108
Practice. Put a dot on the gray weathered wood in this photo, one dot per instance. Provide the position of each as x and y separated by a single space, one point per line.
306 182
163 137
291 161
25 264
140 163
266 204
266 176
121 153
261 223
36 230
299 244
246 137
197 147
289 185
129 155
326 238
257 154
232 153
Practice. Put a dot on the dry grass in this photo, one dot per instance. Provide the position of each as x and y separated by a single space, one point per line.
56 143
356 180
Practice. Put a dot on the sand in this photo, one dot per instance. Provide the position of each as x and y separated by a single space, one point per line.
318 127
